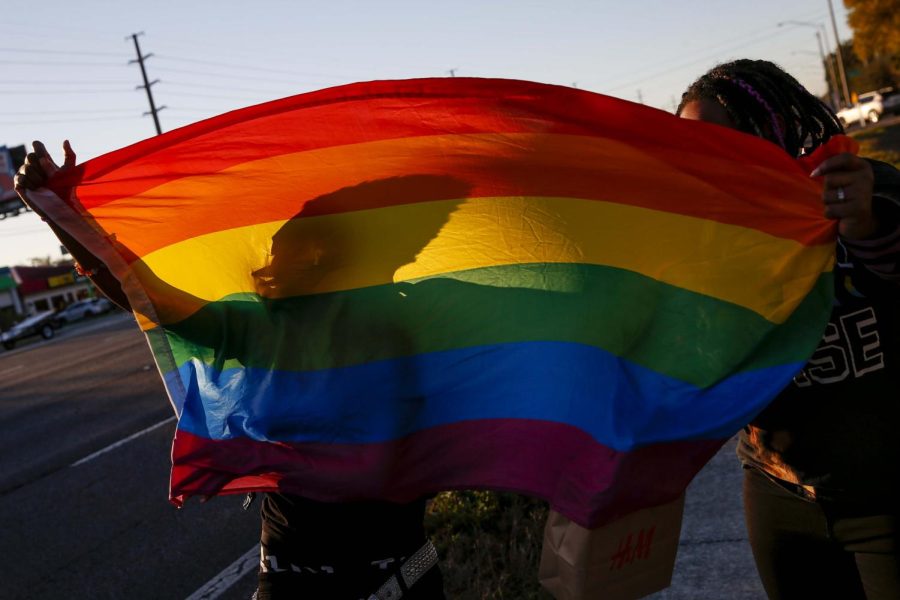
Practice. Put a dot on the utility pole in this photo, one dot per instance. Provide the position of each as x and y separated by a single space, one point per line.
147 84
836 90
840 56
640 97
829 67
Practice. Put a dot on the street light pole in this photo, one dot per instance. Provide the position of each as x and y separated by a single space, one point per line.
840 56
830 68
836 91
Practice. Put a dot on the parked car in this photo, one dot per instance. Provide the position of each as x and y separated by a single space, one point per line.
40 324
869 108
891 101
81 309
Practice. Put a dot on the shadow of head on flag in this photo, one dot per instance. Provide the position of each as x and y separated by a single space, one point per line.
319 246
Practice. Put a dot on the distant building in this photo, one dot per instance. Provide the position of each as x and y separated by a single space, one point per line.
39 289
10 304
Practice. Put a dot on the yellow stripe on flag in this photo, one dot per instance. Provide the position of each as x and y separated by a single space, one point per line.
364 248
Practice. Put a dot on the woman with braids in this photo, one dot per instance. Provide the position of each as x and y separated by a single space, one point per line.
821 511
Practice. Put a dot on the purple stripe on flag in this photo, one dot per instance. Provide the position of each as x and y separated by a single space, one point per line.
588 482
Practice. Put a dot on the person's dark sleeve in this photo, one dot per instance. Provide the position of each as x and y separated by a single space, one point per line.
881 254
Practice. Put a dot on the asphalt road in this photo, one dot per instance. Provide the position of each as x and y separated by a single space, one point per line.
74 524
78 520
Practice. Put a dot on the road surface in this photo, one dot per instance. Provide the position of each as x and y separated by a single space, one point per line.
78 524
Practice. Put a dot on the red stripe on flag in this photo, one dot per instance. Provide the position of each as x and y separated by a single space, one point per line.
587 481
332 117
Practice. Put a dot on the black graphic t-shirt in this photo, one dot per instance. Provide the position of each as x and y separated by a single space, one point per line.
836 429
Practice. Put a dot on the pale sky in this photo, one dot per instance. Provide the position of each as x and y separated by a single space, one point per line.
64 69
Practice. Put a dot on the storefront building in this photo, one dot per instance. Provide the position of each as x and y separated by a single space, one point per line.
45 288
10 304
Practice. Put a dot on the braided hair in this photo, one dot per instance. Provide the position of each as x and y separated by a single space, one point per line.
763 100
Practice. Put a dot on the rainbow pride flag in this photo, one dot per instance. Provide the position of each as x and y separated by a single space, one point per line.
388 289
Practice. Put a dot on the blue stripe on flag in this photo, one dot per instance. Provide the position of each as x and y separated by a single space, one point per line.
620 404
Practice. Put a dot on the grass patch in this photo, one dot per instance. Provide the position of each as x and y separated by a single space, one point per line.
489 544
880 142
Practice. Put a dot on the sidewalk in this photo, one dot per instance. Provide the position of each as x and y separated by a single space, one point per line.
714 560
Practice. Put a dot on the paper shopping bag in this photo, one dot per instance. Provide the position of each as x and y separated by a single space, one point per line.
628 558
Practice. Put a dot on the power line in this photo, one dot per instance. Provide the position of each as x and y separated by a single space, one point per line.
691 62
66 82
192 108
67 112
169 82
193 95
92 34
192 111
53 63
64 52
709 51
75 120
222 50
70 91
230 76
264 57
233 66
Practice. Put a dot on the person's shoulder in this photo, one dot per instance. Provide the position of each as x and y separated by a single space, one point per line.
883 171
886 183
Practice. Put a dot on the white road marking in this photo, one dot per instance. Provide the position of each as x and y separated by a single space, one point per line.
219 584
11 369
102 451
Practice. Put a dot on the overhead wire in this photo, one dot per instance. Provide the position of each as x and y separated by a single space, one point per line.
169 82
31 93
225 75
220 97
66 112
75 120
710 51
691 62
264 56
244 67
67 82
63 52
61 64
20 28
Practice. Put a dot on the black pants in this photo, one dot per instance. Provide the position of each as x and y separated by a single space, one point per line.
812 549
318 551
